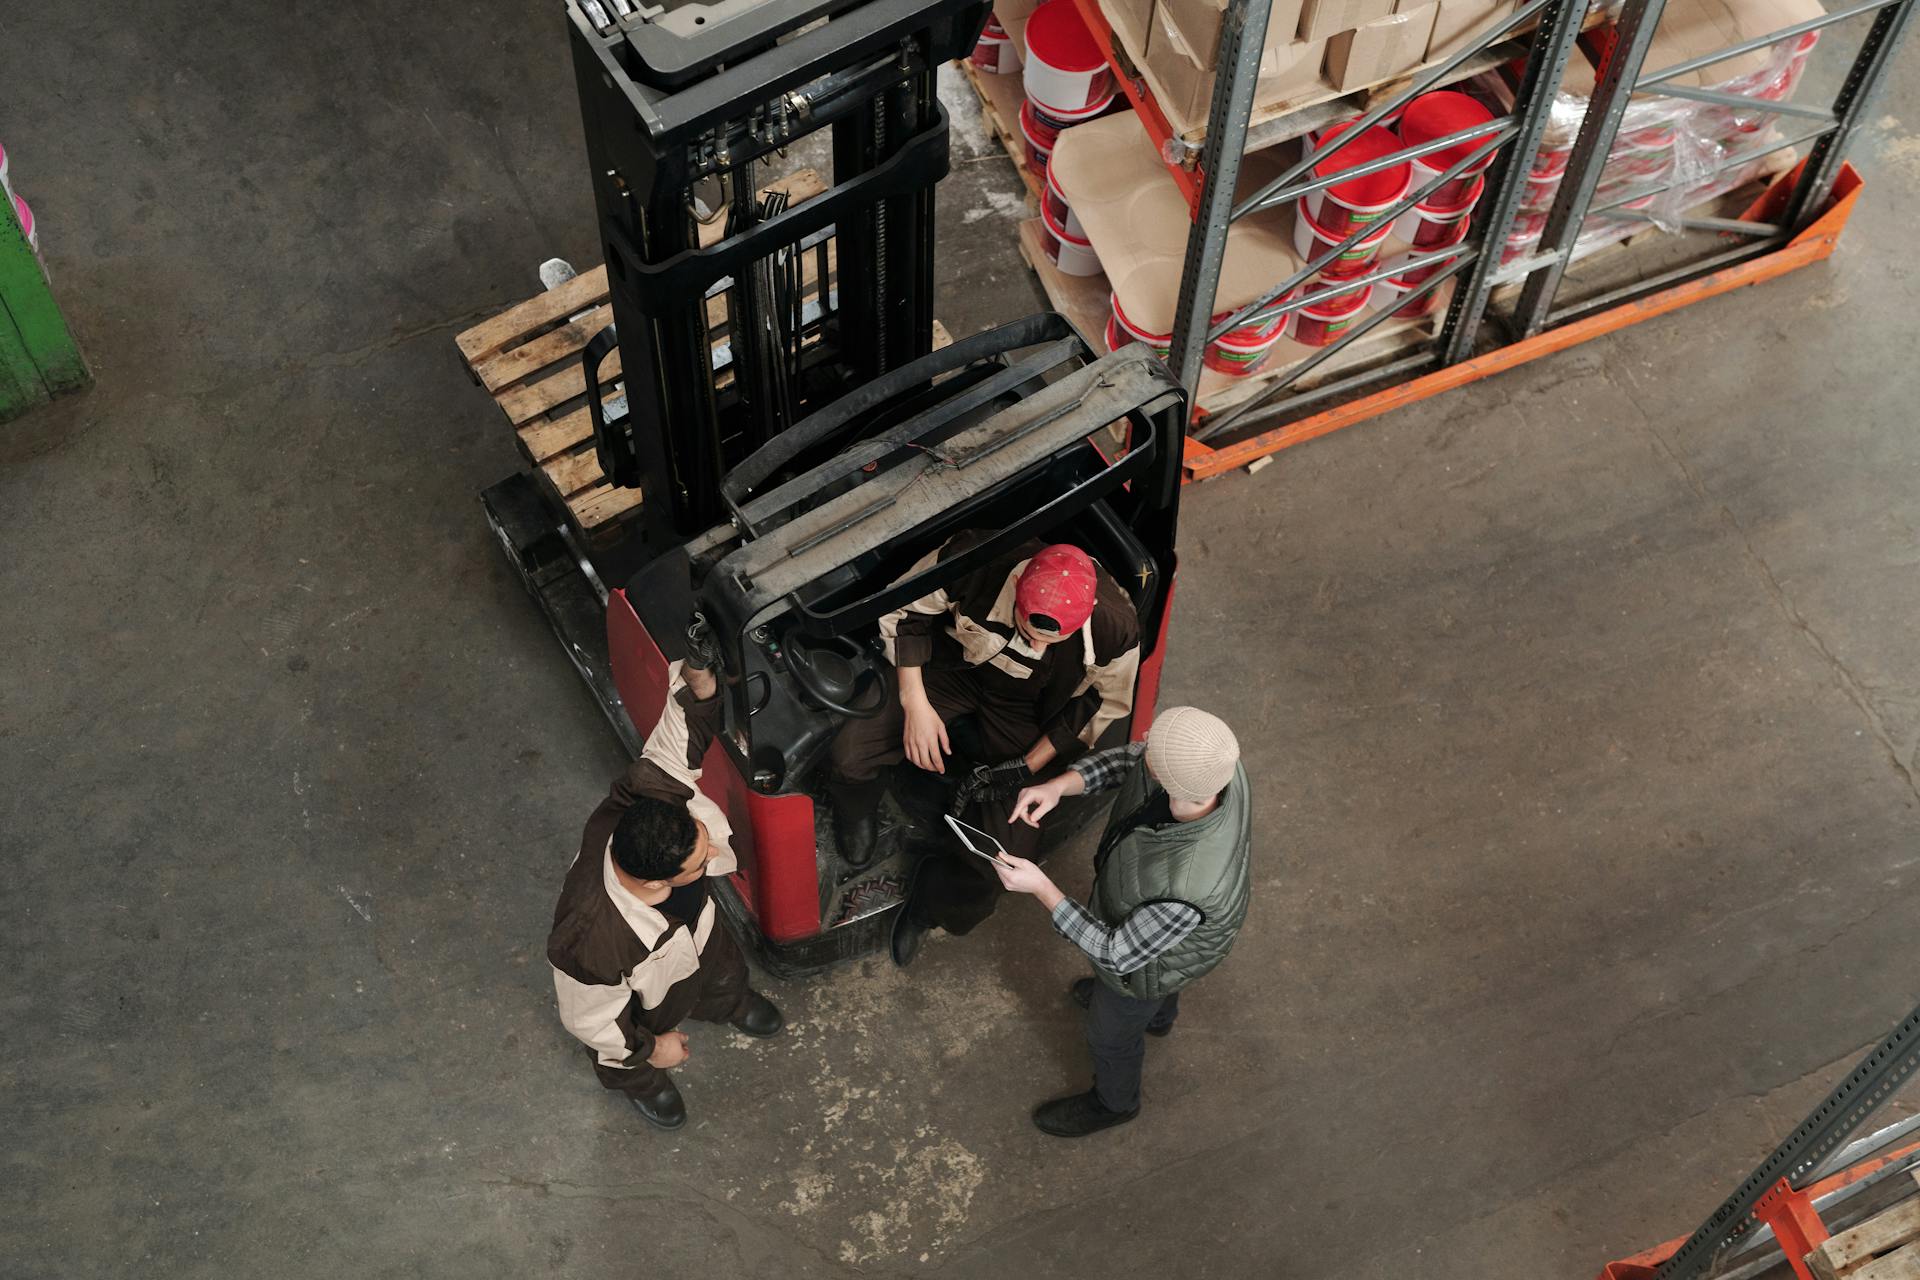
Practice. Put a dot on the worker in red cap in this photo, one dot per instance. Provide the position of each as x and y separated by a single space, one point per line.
1026 662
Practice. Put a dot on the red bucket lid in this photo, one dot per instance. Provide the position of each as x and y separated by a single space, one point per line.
1256 336
1034 130
1120 314
1058 36
1344 304
1382 187
1061 119
1440 212
1435 115
1379 232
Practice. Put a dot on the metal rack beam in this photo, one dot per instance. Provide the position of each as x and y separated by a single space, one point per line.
1825 1130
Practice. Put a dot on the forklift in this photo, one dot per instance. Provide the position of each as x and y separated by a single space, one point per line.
799 457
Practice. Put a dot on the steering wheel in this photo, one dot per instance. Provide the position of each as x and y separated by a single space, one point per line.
839 673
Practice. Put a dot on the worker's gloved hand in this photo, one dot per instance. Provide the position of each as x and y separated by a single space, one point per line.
703 651
1009 774
991 781
970 790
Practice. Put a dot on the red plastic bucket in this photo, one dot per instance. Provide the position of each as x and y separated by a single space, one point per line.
1039 139
1321 324
1540 191
994 55
1311 240
1239 352
1435 115
1161 344
1040 130
1058 208
1061 119
1418 275
1427 227
1344 206
1550 162
1073 254
1065 73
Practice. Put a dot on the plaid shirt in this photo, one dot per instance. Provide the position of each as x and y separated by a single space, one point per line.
1149 930
1105 770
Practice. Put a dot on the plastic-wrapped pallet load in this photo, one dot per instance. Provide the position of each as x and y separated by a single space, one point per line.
1675 143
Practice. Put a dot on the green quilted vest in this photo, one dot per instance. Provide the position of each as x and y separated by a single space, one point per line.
1202 863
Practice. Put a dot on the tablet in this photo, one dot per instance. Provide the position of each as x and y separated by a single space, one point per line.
976 841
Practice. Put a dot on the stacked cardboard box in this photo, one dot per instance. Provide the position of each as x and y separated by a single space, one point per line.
1314 48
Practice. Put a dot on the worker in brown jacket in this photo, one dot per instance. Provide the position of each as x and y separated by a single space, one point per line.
636 947
1038 650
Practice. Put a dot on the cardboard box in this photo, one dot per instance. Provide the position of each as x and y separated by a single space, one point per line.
1131 20
1320 19
1122 194
1199 21
1185 88
1012 16
1694 28
1381 50
1460 22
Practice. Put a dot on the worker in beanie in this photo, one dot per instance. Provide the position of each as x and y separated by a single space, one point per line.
1021 664
1170 890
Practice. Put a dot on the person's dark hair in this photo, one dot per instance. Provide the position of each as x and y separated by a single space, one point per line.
654 839
1043 622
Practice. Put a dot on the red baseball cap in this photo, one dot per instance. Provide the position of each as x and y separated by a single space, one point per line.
1059 583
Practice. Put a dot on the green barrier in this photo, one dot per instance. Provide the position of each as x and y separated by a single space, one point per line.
38 358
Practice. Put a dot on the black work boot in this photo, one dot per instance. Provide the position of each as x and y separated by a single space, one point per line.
1082 993
909 930
1078 1116
908 934
663 1108
760 1019
856 817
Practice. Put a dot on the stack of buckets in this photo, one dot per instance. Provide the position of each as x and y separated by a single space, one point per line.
1444 216
1067 82
1326 217
1645 146
994 53
20 209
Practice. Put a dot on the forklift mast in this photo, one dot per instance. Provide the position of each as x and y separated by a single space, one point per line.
681 105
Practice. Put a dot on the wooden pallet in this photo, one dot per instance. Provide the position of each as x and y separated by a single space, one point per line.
1085 301
1000 98
1884 1247
528 359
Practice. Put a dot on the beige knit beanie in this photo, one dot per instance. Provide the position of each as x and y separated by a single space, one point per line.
1191 753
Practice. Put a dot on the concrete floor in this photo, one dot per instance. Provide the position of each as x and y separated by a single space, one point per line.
1582 706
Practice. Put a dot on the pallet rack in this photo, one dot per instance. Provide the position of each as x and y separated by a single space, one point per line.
1818 1181
1796 221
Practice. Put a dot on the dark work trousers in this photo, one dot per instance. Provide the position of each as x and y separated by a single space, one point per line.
953 890
1116 1033
715 992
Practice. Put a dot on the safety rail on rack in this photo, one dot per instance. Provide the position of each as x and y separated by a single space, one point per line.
1242 36
1544 270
